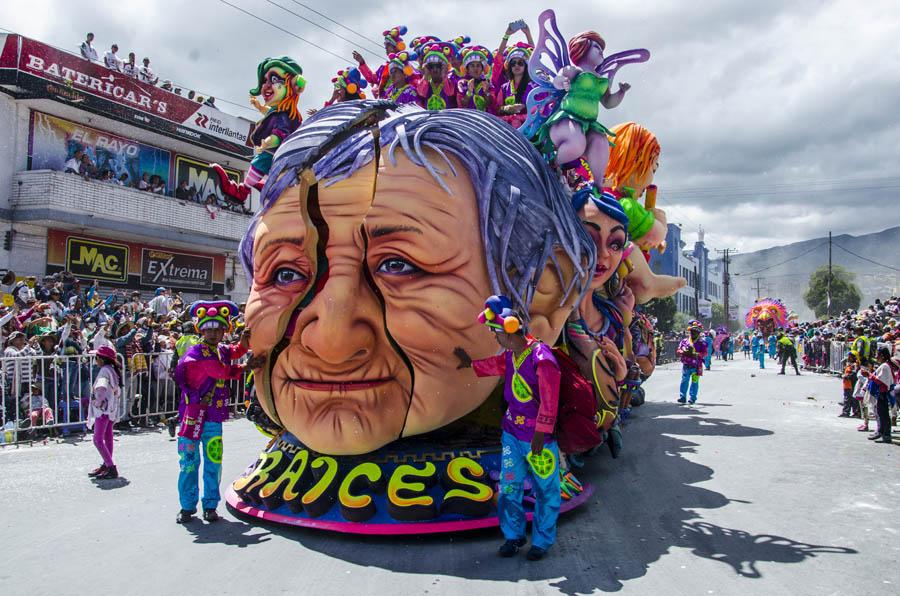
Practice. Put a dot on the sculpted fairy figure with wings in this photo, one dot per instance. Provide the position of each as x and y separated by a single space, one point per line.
573 80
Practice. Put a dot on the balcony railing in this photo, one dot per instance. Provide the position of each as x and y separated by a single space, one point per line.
46 195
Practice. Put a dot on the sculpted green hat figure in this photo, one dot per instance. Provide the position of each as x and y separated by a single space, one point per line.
280 82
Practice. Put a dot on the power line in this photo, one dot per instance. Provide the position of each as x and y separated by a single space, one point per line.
287 10
865 258
327 18
794 258
283 30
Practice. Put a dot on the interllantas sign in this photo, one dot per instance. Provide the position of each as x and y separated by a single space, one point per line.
176 270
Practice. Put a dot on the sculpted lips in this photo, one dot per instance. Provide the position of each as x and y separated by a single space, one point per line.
338 386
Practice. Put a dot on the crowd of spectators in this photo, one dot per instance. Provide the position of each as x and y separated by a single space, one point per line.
81 164
864 348
49 332
129 68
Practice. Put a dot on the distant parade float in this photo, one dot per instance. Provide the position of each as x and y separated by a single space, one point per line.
380 232
766 316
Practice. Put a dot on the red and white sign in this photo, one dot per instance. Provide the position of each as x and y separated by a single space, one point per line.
94 87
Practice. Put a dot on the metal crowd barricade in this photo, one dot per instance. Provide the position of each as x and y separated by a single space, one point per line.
837 352
52 393
152 394
45 393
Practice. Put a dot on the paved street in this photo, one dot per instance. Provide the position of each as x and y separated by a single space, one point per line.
759 489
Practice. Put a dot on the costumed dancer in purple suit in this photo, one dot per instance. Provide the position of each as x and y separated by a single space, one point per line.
201 373
403 79
509 75
531 391
393 43
436 88
692 350
474 90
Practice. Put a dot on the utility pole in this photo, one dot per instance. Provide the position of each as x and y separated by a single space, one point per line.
828 304
758 289
726 281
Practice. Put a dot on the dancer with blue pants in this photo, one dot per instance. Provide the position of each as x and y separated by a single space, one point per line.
759 350
201 373
692 350
531 389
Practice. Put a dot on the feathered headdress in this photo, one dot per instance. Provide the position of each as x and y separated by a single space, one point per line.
767 308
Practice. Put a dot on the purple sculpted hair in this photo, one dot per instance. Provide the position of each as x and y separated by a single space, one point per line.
524 210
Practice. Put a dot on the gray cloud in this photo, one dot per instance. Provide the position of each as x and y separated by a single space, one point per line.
742 95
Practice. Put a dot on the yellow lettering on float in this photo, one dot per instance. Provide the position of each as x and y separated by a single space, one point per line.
320 497
294 479
407 500
467 493
360 507
267 464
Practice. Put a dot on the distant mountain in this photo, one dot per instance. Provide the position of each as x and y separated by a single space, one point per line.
784 270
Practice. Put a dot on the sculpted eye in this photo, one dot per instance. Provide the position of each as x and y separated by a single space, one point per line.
616 245
275 79
397 266
285 276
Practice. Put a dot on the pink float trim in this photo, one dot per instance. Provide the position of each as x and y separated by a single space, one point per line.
397 529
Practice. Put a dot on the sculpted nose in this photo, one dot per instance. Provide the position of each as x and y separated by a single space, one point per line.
345 314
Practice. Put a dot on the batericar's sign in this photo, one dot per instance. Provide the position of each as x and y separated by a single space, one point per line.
176 270
47 72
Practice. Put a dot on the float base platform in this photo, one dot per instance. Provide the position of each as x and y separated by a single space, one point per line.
383 529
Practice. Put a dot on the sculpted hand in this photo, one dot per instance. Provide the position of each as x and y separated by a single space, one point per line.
563 82
625 300
623 87
464 360
256 361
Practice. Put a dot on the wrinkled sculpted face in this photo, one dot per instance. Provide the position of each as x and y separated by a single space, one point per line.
369 352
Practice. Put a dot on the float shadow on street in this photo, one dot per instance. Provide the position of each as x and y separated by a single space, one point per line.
627 529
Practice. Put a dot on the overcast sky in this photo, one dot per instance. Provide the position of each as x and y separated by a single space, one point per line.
778 120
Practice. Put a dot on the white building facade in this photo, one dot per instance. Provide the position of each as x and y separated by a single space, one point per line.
54 104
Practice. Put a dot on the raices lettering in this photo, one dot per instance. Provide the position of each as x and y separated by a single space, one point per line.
312 485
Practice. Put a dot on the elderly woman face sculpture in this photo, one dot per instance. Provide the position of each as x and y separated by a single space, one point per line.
372 257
